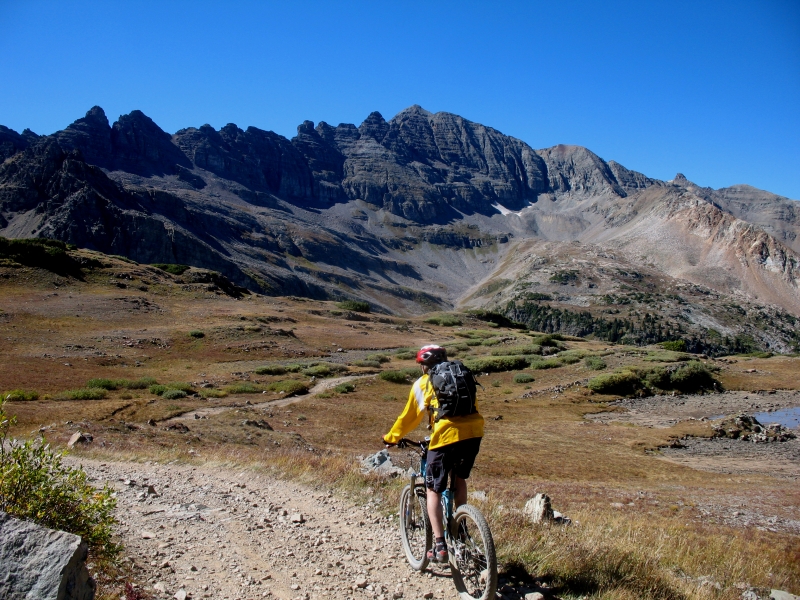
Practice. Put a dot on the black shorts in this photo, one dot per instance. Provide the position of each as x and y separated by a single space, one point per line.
459 456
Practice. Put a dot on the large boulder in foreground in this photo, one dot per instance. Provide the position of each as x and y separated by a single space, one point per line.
37 562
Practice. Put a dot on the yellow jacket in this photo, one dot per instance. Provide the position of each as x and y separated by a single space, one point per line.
445 431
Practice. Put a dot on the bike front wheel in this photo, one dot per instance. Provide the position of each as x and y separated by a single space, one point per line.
472 557
415 528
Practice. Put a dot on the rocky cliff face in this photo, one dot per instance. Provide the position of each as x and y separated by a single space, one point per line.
409 213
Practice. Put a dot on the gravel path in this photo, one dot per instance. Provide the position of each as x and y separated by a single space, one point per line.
199 532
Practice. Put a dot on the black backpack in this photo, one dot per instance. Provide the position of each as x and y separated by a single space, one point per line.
455 387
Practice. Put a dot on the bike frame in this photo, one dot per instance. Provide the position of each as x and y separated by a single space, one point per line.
447 495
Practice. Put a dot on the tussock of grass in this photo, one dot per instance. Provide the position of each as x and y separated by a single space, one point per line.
523 378
324 370
528 350
173 394
690 377
444 320
83 394
667 356
244 387
196 333
595 363
374 364
172 268
106 384
288 387
271 370
404 376
212 393
20 395
140 384
160 389
381 358
495 364
354 305
344 388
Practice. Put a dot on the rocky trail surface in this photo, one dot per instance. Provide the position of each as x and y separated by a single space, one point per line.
199 532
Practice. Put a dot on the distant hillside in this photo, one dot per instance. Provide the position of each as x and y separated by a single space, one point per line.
411 214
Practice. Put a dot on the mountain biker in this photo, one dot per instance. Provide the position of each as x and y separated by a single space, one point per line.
454 444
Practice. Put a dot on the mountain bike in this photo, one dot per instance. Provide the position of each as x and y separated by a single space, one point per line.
473 563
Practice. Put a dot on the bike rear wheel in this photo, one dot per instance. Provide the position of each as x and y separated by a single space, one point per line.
415 528
472 556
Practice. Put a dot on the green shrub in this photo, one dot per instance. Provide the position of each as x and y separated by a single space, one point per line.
496 364
294 368
550 339
444 320
471 343
523 378
354 305
374 364
381 358
515 350
171 268
323 370
595 363
41 253
159 389
289 387
692 377
141 383
84 394
405 355
271 370
196 333
674 345
20 396
180 385
394 376
244 387
619 382
570 357
36 486
344 388
667 356
173 394
656 378
106 384
212 393
491 342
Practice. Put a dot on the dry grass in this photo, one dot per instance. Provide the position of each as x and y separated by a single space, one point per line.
657 546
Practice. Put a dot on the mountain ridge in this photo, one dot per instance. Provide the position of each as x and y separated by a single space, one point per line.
407 213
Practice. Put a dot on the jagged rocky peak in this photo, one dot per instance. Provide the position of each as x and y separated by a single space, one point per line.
579 170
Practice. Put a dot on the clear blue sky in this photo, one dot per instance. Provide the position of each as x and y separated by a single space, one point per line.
710 89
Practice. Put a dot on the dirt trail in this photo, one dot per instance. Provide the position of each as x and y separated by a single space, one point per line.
230 534
322 386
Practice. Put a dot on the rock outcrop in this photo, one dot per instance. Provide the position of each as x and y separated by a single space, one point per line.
36 562
370 208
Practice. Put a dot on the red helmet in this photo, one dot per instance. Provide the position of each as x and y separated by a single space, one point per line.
431 355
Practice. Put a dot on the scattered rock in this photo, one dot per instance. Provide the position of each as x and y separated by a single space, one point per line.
261 424
538 509
180 594
380 463
298 518
179 427
361 582
534 596
746 427
79 438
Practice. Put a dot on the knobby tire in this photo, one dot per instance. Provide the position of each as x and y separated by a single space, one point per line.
415 528
472 556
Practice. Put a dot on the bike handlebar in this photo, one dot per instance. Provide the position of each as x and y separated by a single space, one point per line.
407 442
